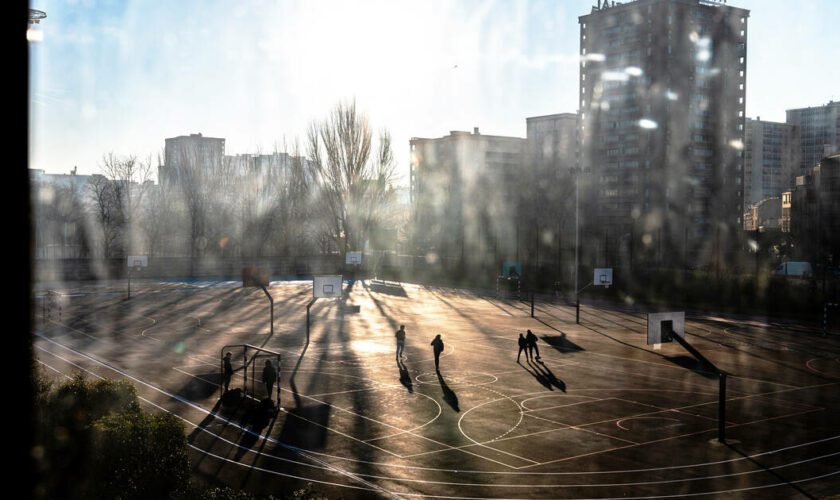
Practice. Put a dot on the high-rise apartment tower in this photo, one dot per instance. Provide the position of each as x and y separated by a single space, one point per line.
662 100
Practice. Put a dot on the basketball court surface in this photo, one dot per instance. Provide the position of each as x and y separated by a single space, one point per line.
601 415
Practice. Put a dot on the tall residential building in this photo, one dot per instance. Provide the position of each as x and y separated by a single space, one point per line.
465 190
819 132
263 166
764 215
662 99
186 151
815 214
771 159
548 214
552 141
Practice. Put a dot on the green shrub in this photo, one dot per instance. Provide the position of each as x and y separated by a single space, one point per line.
81 401
95 442
139 455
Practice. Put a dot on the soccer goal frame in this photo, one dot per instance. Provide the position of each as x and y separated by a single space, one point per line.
247 359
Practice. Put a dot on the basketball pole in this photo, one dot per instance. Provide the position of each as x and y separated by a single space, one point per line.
271 301
722 408
308 306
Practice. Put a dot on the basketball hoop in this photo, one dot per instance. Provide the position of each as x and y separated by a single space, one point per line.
35 16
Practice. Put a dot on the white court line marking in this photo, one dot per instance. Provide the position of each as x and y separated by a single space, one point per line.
563 406
580 428
55 370
777 417
808 365
350 391
618 423
675 410
74 329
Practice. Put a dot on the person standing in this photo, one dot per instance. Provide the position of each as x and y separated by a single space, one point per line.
400 341
522 345
228 371
269 377
532 343
437 344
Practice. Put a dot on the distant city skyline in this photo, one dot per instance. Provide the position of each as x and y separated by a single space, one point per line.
118 77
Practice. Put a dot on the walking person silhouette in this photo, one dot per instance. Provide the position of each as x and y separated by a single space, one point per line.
228 371
269 377
532 344
522 345
400 341
437 344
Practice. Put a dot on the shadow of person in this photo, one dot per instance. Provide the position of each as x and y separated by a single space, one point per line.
448 394
272 414
204 423
549 376
541 378
405 378
256 418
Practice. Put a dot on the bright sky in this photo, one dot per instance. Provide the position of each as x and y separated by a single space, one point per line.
121 76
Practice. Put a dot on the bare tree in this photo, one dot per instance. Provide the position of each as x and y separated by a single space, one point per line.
108 214
353 175
158 219
130 179
60 217
195 178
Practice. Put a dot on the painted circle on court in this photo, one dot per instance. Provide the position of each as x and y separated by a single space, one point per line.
645 424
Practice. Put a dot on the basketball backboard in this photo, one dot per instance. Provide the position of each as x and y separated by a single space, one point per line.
255 276
661 326
603 277
353 258
326 286
136 261
512 269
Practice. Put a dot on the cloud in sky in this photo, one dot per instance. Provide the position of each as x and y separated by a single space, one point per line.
122 76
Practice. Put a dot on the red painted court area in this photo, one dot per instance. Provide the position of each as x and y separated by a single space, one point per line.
600 415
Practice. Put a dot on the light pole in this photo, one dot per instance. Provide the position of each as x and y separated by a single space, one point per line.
577 171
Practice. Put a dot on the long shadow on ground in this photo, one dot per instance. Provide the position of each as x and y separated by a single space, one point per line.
448 394
544 375
562 343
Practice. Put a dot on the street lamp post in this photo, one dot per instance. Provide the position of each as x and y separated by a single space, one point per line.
577 172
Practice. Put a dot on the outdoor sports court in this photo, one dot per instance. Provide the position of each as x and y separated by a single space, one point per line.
603 416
